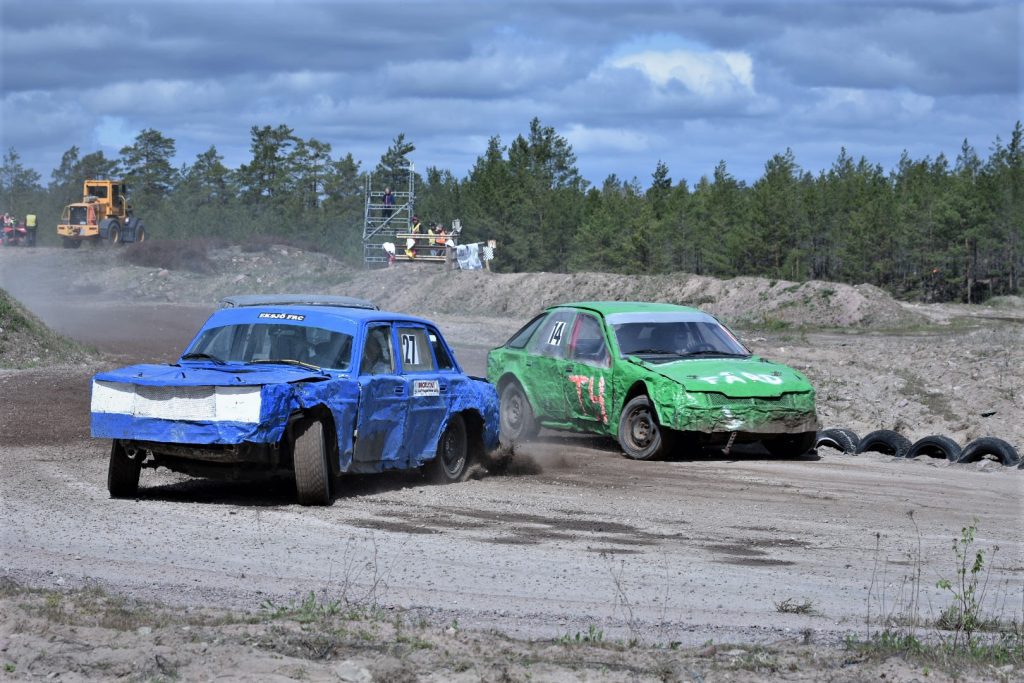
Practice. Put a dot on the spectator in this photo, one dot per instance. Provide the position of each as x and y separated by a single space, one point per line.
389 203
430 239
440 240
30 226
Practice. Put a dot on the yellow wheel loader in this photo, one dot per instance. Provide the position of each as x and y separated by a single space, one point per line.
104 216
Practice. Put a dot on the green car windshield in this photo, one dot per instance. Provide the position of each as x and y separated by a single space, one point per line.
667 336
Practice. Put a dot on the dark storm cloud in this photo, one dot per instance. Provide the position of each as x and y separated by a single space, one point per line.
935 51
191 40
628 83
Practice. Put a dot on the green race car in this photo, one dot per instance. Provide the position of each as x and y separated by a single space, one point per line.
652 375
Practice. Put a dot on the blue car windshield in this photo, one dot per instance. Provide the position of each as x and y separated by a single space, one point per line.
270 342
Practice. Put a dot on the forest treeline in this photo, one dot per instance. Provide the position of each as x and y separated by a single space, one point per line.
932 229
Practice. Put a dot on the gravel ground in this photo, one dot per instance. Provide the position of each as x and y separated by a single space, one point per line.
574 537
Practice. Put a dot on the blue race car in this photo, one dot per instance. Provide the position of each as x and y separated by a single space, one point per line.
313 389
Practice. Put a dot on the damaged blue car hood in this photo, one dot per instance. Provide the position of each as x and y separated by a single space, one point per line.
192 375
210 404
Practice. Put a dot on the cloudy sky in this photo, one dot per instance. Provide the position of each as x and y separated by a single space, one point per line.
627 83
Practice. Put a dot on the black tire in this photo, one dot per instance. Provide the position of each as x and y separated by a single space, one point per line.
309 455
451 464
69 243
790 445
639 432
123 472
845 440
140 233
114 235
885 441
935 447
990 445
517 421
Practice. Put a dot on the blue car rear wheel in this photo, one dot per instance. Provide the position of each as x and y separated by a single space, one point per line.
452 461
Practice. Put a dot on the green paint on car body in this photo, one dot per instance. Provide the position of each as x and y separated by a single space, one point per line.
582 362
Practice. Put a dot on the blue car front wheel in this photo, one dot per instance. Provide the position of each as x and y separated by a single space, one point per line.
123 472
312 474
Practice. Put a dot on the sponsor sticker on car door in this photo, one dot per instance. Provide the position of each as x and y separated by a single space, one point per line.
426 387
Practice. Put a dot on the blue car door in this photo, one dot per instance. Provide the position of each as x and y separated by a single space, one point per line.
383 396
429 397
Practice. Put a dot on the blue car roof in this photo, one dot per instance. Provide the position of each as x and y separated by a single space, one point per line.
328 317
296 300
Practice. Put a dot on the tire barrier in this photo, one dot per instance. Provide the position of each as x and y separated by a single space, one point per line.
885 441
935 447
989 445
845 440
895 444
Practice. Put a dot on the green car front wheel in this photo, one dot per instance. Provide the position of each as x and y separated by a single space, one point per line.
639 432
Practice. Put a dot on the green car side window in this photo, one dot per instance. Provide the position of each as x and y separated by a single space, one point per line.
552 338
587 344
522 337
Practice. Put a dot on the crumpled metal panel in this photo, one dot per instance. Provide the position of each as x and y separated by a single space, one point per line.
209 375
383 433
752 394
399 432
277 402
694 411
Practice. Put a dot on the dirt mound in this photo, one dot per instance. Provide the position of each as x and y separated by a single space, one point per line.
746 301
26 342
429 290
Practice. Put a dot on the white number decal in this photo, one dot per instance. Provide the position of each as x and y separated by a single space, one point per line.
556 334
410 352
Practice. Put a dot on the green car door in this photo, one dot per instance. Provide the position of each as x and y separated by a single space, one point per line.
588 373
544 368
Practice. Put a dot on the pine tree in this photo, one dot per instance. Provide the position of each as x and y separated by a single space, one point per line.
147 168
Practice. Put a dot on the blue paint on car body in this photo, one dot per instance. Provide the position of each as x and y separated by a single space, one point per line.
250 371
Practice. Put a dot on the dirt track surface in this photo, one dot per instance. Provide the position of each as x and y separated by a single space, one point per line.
685 550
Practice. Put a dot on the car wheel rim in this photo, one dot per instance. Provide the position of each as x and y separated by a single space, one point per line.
640 428
515 412
451 455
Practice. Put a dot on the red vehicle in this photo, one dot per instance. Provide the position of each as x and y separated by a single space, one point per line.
13 234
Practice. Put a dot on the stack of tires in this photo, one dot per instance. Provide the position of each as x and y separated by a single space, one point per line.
895 444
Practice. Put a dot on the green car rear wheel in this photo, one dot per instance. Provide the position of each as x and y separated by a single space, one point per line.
518 423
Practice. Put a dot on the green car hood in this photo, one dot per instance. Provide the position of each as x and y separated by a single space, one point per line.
734 377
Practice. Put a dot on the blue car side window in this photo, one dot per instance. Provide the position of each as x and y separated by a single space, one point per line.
441 355
378 357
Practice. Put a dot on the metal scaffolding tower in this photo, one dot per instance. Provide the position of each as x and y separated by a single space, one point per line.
384 223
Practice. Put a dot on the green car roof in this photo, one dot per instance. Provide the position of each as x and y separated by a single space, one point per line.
609 307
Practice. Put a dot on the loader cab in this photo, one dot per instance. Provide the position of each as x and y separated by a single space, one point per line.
98 190
110 193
